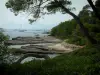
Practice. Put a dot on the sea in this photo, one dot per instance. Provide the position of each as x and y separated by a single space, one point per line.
13 33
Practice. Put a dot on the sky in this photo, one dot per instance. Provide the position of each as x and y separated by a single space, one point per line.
9 21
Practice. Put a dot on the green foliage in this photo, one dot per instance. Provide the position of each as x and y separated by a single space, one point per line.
71 31
84 61
3 37
77 40
3 48
36 8
53 6
18 5
64 29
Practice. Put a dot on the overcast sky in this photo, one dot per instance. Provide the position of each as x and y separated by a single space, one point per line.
9 21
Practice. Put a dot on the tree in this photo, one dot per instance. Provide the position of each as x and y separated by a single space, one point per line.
97 5
37 8
64 29
3 48
94 8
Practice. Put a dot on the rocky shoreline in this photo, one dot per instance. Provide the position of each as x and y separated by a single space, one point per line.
32 40
40 46
36 44
47 43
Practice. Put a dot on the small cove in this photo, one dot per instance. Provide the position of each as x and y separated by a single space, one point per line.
28 33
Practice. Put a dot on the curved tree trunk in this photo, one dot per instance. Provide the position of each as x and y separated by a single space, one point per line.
84 30
94 9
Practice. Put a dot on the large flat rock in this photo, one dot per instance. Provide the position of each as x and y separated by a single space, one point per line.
32 40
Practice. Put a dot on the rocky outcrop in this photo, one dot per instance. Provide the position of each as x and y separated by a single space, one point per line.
32 55
31 40
24 51
40 47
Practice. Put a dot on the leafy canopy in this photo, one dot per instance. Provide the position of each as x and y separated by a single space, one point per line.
37 8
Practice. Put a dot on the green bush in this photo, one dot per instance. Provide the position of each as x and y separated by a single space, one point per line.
85 61
64 29
3 37
3 48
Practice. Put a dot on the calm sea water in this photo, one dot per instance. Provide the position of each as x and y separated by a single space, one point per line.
27 33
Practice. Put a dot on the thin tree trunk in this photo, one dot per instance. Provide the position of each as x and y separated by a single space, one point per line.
94 9
84 30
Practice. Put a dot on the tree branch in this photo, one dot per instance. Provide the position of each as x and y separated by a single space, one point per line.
94 9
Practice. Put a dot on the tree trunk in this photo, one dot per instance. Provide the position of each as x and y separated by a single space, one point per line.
84 30
94 9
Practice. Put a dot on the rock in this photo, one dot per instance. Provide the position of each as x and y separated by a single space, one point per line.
31 40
